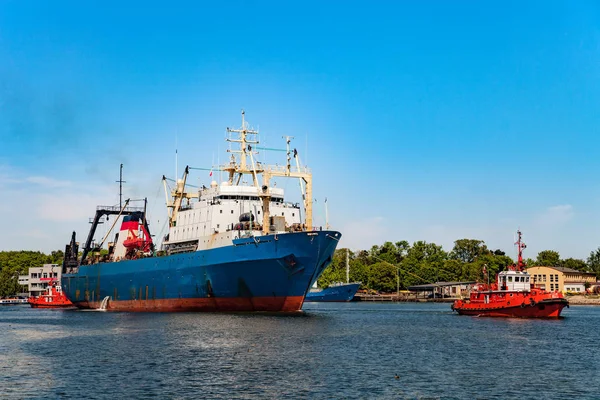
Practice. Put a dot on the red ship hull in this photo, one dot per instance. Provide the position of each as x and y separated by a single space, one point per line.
550 308
51 305
278 304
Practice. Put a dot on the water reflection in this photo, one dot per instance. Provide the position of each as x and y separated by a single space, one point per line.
333 351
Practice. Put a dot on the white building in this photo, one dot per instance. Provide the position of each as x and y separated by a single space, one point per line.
40 277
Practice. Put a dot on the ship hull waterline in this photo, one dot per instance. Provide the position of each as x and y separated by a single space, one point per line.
269 273
58 307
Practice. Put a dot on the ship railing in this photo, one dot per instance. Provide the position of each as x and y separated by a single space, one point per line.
117 208
283 169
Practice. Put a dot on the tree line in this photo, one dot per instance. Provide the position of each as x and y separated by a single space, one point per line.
15 263
400 265
382 268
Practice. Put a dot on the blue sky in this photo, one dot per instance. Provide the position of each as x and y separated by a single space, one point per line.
421 120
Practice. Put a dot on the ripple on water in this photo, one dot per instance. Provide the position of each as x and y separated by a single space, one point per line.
332 351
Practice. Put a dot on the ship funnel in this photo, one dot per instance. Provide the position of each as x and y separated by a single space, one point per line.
133 237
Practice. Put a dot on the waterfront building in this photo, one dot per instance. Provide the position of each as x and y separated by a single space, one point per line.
23 285
559 279
40 277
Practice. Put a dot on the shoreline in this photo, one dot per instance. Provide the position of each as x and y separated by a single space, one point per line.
583 301
576 300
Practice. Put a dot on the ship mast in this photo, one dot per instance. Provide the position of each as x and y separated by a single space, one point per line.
520 246
347 266
177 196
246 141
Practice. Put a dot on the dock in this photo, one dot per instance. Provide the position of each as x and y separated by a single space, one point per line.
402 297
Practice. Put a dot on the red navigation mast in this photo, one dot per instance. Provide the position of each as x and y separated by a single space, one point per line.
520 246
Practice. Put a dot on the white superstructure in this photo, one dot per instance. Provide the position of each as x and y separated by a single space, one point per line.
215 216
518 281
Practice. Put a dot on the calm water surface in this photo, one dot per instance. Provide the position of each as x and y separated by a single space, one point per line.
332 351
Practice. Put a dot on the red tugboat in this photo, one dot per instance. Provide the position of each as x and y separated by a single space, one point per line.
53 298
514 294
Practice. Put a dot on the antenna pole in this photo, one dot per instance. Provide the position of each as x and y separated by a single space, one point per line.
121 182
326 215
347 266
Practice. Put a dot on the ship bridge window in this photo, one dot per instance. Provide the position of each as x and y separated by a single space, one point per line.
510 278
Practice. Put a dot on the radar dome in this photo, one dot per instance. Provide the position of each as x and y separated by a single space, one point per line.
213 184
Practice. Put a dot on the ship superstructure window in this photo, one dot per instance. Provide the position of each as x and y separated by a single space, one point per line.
510 278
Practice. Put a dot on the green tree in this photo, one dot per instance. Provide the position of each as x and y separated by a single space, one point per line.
424 263
382 277
9 284
336 271
359 272
548 258
468 250
388 252
530 262
594 262
576 264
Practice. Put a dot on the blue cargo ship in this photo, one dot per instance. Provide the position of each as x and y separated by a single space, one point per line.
337 292
230 247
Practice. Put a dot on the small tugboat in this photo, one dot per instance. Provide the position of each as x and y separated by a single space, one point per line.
514 294
53 298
